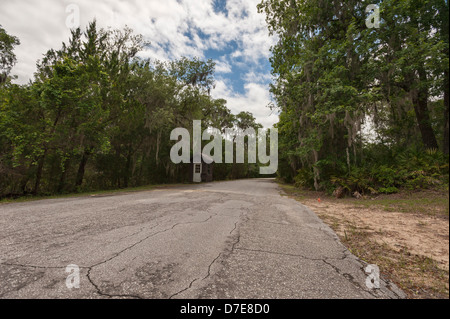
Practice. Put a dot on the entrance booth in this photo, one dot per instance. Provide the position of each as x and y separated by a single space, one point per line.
202 172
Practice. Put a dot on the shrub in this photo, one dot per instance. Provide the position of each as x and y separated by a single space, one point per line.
388 190
304 178
410 169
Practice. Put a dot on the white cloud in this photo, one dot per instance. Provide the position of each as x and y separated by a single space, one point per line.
175 28
255 100
257 77
222 66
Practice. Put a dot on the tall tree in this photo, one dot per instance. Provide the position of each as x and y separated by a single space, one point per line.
7 56
335 74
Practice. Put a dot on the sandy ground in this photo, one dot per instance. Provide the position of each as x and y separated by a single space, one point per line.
421 235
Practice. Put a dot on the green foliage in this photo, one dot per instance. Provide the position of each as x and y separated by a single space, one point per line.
335 77
97 117
304 178
7 56
388 190
412 170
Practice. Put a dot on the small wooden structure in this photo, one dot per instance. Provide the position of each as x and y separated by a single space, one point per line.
202 173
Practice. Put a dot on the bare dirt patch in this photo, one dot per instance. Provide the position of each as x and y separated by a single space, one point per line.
406 235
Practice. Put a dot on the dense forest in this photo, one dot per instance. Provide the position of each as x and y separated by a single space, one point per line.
362 109
97 117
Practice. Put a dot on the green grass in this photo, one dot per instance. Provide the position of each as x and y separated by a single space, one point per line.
436 206
292 190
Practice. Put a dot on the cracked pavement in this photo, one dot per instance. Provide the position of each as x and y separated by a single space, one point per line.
225 240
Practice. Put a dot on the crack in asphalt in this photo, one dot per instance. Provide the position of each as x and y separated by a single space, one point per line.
36 267
345 254
181 291
210 265
126 249
347 276
131 247
215 259
278 253
132 235
270 222
389 286
90 268
99 291
350 278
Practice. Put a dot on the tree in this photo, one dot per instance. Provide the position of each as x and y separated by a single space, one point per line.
7 56
218 116
93 68
97 117
20 138
334 75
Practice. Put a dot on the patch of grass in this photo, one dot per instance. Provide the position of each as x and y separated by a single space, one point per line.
435 206
291 190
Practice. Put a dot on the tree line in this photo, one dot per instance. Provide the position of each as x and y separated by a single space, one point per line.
361 109
96 116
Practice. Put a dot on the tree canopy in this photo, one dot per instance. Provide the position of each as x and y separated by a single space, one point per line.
7 56
354 99
97 117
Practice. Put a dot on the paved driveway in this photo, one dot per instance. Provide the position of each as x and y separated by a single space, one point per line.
238 239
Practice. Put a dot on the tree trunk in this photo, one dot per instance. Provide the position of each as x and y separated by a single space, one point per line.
445 141
82 167
128 168
420 101
62 179
316 171
39 173
25 179
443 14
141 169
42 160
23 183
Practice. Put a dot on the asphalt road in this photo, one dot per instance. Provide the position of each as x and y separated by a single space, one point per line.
238 239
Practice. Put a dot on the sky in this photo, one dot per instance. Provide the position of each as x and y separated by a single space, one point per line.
231 32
